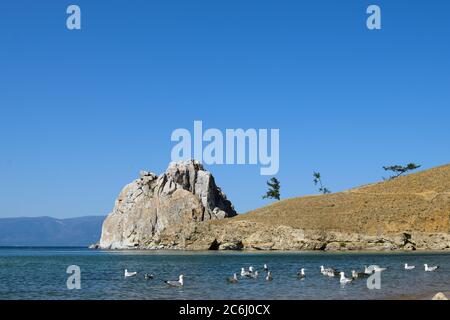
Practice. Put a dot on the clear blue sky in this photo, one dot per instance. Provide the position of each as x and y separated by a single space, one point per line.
83 111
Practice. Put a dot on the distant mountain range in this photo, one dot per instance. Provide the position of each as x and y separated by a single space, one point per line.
47 231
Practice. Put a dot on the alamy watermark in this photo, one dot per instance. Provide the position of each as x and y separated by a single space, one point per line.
233 147
374 280
74 280
73 21
374 20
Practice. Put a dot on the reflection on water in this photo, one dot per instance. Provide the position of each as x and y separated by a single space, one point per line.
40 273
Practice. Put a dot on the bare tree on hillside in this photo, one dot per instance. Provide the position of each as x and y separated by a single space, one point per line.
318 181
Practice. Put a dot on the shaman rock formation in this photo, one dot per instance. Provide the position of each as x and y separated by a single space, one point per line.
153 205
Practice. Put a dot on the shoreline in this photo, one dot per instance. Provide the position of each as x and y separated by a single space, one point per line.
349 252
428 296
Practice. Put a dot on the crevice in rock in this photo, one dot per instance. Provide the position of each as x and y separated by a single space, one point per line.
215 245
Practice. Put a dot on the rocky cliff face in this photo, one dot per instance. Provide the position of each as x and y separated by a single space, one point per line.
258 236
153 205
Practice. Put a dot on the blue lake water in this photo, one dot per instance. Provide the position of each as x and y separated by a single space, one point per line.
40 273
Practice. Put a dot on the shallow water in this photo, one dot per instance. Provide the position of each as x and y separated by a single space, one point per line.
40 273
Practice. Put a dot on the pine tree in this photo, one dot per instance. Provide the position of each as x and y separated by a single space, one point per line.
400 170
274 189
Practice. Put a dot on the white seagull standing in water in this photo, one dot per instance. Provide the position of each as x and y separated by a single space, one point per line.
245 273
322 270
329 272
255 275
430 269
266 268
269 276
179 283
301 275
378 269
129 274
368 271
407 267
345 280
373 269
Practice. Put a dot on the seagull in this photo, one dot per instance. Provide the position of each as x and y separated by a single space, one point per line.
266 268
255 275
251 269
430 269
378 269
367 271
345 280
233 279
357 275
332 274
322 270
149 276
409 267
129 274
179 283
245 273
328 272
301 275
269 276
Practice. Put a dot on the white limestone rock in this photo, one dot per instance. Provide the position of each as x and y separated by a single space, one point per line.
150 205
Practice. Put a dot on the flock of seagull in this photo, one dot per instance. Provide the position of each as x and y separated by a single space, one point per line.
147 276
251 273
328 272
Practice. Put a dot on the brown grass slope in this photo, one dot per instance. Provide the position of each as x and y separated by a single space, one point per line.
418 202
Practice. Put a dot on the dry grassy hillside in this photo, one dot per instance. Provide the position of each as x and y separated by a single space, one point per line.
417 202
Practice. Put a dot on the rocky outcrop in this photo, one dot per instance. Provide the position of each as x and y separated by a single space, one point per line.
440 296
183 209
154 205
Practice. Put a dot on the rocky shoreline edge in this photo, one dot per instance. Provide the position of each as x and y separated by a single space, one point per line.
244 236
